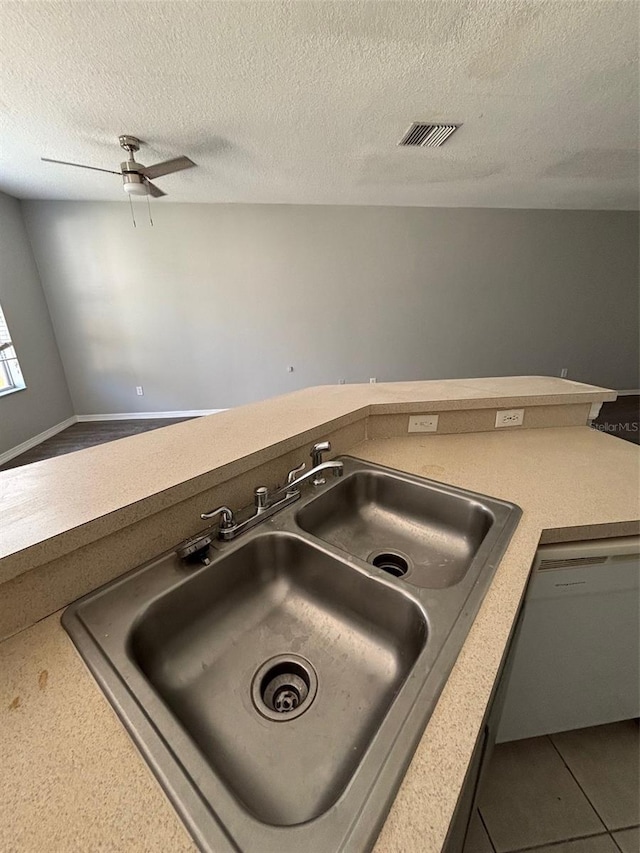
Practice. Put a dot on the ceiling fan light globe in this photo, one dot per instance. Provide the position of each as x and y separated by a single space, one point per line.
134 185
135 189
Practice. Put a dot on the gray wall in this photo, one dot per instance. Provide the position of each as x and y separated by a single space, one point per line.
45 401
208 308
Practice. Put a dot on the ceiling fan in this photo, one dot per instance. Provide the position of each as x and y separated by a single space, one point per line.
136 178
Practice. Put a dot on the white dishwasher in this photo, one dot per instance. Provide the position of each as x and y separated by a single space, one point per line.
576 660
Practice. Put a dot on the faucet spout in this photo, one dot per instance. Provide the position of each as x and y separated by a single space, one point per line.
334 465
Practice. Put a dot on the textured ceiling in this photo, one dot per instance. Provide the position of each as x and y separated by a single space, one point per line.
304 102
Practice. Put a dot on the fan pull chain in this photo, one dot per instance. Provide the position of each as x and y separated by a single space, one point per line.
133 218
149 208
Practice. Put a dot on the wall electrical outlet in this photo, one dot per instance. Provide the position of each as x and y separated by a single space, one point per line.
563 373
509 418
139 390
290 369
423 423
373 380
342 381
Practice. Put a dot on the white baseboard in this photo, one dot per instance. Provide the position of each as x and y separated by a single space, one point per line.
37 439
138 416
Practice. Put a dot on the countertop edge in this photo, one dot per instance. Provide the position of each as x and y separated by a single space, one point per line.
251 450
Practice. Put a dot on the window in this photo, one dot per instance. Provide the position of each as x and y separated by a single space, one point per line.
10 374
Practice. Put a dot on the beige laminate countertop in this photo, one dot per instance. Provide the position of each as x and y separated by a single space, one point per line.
70 778
61 504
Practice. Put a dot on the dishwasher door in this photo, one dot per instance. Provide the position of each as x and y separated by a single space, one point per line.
577 660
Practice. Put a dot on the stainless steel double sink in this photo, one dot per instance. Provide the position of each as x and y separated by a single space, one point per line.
279 692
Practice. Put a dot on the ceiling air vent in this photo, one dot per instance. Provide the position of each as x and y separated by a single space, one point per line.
428 135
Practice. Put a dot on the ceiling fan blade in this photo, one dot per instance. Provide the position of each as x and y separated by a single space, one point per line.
167 167
78 165
155 191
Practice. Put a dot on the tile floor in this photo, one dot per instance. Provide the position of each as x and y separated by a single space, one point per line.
574 792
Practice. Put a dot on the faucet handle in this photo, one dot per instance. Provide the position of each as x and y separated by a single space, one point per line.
226 516
293 475
295 472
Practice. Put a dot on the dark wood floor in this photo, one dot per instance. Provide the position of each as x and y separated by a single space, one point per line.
621 418
79 436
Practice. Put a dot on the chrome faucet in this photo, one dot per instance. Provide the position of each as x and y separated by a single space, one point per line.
265 504
227 520
315 475
291 477
317 450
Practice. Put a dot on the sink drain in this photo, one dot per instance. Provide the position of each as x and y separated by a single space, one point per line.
390 561
284 687
285 692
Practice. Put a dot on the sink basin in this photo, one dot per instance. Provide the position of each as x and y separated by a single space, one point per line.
279 687
426 534
282 605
